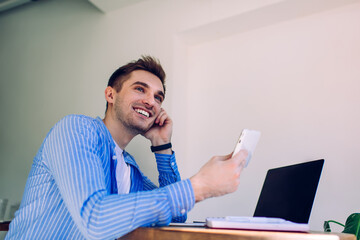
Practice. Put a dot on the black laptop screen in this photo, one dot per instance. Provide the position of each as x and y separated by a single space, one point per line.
289 192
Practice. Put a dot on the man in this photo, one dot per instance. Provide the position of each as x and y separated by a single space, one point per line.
83 185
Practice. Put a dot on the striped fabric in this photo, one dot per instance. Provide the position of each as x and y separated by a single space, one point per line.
71 190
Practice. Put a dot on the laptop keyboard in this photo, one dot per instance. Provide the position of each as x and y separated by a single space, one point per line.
255 223
254 219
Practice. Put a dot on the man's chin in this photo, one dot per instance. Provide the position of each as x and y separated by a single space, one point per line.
140 129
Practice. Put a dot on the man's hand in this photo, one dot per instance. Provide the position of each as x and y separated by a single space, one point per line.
160 133
219 176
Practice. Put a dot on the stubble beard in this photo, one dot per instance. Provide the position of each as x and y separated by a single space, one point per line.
130 123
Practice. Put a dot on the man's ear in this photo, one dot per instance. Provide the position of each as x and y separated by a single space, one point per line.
109 94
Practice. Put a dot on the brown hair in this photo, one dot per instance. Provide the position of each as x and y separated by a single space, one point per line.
146 63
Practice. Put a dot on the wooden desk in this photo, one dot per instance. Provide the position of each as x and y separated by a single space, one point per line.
197 233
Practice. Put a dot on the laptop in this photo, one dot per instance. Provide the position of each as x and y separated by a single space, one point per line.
285 201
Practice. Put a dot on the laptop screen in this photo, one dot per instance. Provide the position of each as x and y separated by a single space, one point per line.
289 192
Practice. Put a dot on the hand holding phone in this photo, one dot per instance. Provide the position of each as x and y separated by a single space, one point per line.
248 141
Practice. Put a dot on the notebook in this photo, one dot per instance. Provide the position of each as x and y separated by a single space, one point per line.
285 201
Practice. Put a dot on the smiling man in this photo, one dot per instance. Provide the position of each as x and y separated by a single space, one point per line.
84 185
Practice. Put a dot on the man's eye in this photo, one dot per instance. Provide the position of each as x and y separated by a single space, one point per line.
159 98
140 89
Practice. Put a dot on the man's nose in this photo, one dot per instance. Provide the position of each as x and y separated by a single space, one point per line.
149 100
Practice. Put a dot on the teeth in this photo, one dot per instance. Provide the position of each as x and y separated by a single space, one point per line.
146 114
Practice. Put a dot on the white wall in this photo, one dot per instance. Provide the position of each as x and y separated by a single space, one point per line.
297 82
294 78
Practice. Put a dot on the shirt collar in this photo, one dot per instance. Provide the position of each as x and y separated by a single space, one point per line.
105 130
127 157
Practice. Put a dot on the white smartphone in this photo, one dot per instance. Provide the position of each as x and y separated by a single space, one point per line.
248 141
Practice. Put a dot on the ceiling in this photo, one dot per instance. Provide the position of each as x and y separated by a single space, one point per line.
111 5
8 4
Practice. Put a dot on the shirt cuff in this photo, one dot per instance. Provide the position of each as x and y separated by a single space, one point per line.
166 162
181 197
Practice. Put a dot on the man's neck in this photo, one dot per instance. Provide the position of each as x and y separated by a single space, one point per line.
118 132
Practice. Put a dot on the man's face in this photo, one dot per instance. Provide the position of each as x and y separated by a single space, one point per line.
138 103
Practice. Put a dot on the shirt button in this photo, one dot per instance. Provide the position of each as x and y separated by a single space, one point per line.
183 211
153 225
172 164
114 157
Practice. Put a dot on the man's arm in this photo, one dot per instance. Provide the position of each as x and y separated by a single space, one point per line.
219 176
159 134
168 174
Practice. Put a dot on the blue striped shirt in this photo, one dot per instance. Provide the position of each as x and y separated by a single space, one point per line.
71 191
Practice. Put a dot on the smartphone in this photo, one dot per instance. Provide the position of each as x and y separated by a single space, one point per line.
248 140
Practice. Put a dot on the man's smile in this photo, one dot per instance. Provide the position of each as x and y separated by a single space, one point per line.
143 112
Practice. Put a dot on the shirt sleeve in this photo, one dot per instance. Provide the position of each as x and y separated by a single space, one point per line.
72 153
168 174
168 171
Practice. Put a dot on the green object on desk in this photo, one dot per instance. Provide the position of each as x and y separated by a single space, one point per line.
352 225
